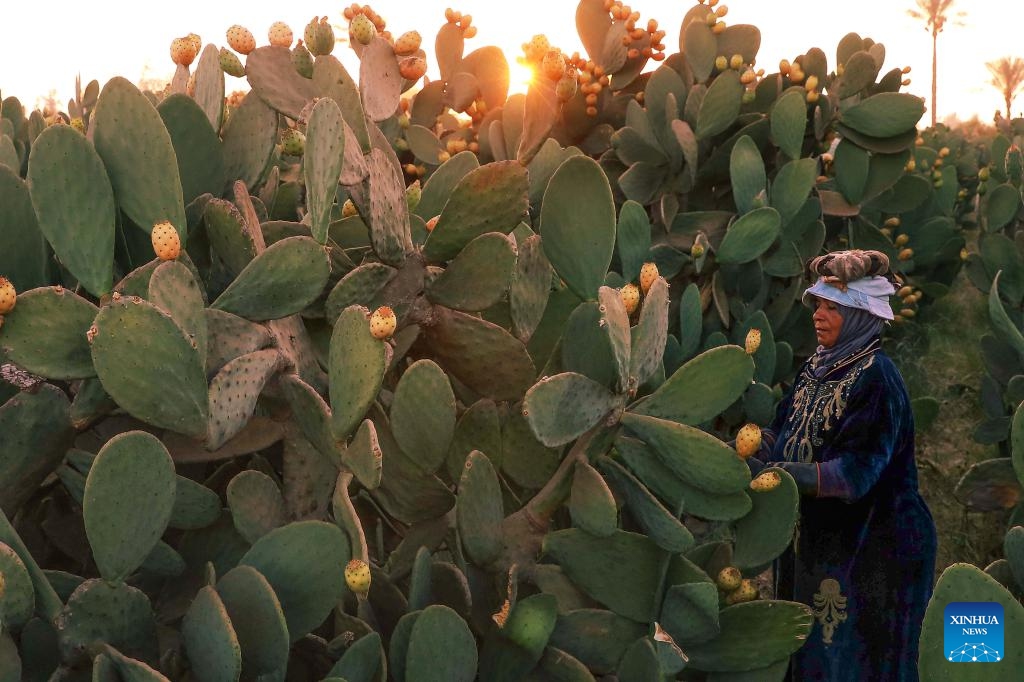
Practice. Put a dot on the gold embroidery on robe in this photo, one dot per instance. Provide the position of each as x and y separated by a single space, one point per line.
830 608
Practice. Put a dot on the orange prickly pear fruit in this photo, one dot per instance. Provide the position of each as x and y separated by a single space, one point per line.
412 68
408 43
630 298
768 480
729 578
748 440
648 273
241 39
553 65
357 577
383 322
362 29
8 296
744 593
348 209
752 342
280 34
901 240
892 222
196 41
183 51
166 242
432 223
736 61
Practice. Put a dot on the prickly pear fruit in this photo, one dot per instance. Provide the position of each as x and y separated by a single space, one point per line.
892 222
383 322
8 296
241 39
78 124
536 48
748 440
293 142
166 242
721 62
553 65
753 341
648 273
302 60
361 29
906 254
983 174
196 41
348 209
183 51
1014 163
357 576
412 68
412 195
744 593
432 223
736 61
696 251
280 34
408 43
565 89
729 578
901 240
319 36
630 297
765 481
230 64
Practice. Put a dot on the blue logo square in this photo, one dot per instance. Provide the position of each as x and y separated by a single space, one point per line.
973 632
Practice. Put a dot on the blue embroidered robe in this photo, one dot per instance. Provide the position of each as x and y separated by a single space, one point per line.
864 554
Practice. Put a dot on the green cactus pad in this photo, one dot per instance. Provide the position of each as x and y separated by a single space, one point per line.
357 365
18 602
720 106
74 203
195 505
698 458
381 82
690 613
273 77
466 347
46 333
423 144
753 635
527 462
633 239
492 198
249 138
886 114
586 345
363 661
776 672
441 647
514 650
591 503
362 286
256 504
25 261
234 391
766 531
279 282
564 406
256 616
197 147
596 637
10 661
1005 329
381 201
209 86
229 337
210 641
399 645
702 388
136 329
660 524
789 121
615 322
129 496
442 182
479 511
302 561
163 562
137 152
964 582
479 275
479 428
531 284
1003 204
1013 547
640 662
321 164
579 237
173 288
423 414
407 493
746 171
750 236
118 615
231 241
650 334
620 571
792 185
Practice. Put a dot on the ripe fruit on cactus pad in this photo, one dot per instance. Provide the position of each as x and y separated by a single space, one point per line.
412 68
630 297
241 39
383 322
744 593
748 440
408 43
648 273
293 142
8 296
280 34
768 480
166 243
362 29
729 578
357 577
183 51
753 341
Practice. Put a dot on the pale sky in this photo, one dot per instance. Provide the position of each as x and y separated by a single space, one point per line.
105 38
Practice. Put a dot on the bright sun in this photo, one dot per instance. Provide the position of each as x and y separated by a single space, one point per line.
520 76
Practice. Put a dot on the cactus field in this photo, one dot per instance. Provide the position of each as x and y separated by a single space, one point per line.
308 374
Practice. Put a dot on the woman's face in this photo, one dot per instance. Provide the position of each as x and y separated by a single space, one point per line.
828 322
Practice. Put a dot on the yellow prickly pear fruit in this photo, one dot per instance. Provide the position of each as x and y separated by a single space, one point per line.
696 251
906 254
241 39
892 222
905 291
908 312
736 61
901 239
911 166
983 174
744 593
383 322
348 209
748 440
565 89
964 253
784 67
78 124
537 47
765 481
812 96
729 578
753 341
408 43
811 83
553 65
8 296
280 34
721 62
357 577
362 29
630 298
166 242
648 273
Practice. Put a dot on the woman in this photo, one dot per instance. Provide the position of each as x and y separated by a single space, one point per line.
863 557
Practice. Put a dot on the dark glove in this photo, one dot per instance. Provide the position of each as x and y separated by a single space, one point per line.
804 473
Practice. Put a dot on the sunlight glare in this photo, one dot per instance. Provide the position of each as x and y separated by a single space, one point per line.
520 76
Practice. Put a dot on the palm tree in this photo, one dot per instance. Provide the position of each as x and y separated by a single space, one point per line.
934 14
1007 78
